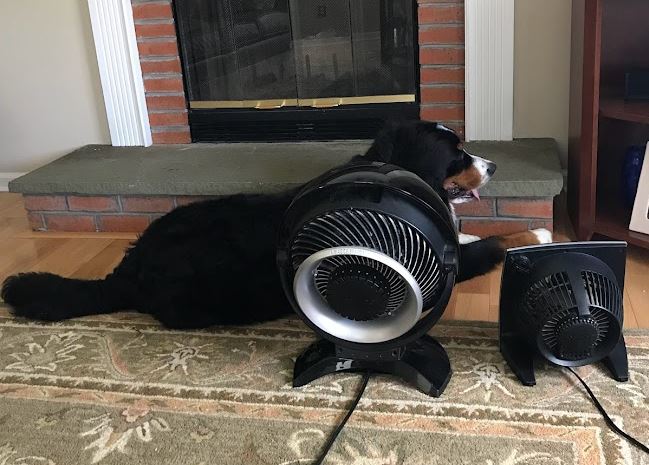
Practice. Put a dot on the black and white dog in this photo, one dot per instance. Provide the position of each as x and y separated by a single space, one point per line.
213 262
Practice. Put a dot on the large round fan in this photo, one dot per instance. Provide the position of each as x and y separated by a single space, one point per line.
368 257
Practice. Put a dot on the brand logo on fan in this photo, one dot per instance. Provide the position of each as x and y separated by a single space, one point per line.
344 365
345 251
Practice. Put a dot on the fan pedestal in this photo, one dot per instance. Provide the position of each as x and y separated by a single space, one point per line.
617 362
423 363
521 360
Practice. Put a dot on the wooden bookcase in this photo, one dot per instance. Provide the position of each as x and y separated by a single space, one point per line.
609 37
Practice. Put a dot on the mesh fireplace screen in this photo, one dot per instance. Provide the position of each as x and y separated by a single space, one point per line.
297 53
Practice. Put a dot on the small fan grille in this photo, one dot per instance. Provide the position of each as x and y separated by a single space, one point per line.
550 305
377 231
548 298
397 287
603 293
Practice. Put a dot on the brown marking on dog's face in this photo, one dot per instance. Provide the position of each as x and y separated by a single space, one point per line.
519 240
467 179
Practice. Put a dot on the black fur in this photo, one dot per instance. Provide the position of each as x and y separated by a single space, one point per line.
213 262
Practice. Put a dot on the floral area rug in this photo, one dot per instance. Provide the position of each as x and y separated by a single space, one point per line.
120 389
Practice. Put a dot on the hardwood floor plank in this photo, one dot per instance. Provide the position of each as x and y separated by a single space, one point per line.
638 290
103 263
28 234
472 307
20 255
9 201
70 255
630 321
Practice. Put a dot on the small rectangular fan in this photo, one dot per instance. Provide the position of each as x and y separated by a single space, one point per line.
563 302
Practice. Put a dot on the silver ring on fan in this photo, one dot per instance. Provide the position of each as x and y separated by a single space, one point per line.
382 329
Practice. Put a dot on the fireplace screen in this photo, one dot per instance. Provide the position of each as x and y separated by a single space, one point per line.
242 58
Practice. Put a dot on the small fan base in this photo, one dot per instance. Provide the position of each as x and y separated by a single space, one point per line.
521 359
423 363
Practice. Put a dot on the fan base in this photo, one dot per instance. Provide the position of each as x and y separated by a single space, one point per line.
423 363
521 360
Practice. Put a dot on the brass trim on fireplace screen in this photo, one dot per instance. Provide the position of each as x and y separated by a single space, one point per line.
328 102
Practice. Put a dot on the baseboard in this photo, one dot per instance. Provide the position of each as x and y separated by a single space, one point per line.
5 178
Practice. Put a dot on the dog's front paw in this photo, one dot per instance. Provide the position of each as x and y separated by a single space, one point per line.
467 238
543 235
521 239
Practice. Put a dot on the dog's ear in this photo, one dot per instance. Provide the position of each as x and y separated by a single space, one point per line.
383 149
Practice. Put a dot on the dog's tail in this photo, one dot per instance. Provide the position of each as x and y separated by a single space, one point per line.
46 296
480 257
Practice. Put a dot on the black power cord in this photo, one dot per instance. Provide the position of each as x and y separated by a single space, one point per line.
608 419
334 435
366 377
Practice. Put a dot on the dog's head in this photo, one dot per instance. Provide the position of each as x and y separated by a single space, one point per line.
436 154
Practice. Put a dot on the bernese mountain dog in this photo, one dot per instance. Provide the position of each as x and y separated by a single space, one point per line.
213 262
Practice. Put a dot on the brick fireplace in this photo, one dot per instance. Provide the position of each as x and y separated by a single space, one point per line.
441 73
123 189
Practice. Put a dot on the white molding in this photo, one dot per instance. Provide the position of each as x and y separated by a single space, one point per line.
5 178
119 68
489 69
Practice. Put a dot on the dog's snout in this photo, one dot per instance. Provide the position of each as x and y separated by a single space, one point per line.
491 168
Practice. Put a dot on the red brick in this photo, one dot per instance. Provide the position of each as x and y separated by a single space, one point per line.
155 30
439 113
442 35
36 222
524 208
160 10
177 118
442 75
187 199
441 56
161 66
158 48
164 85
431 14
442 95
485 207
102 203
166 102
439 1
123 223
147 204
492 227
172 137
83 223
45 202
547 224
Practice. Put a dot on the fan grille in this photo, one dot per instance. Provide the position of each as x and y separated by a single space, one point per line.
550 305
396 285
377 231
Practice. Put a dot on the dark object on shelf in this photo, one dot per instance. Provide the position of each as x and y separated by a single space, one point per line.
368 258
633 159
636 85
563 303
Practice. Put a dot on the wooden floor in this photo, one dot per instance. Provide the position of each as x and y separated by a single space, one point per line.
92 255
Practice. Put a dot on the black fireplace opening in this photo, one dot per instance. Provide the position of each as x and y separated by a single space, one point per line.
284 70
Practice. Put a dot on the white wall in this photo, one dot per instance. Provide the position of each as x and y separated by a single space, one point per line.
542 70
50 94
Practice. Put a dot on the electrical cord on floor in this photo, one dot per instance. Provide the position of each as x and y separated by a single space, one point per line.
608 419
334 435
